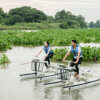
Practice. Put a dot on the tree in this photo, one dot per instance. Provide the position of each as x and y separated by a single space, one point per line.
13 19
63 17
81 20
29 14
50 18
2 15
69 24
91 24
97 24
1 12
60 16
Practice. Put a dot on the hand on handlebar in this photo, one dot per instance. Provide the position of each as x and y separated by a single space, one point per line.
36 55
63 60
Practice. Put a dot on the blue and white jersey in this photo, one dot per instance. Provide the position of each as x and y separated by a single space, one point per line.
75 51
47 49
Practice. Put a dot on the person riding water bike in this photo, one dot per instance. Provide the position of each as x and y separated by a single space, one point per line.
48 51
77 59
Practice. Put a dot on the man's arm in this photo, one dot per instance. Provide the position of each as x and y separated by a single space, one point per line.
77 58
66 55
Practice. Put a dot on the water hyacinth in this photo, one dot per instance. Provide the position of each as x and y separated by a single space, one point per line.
89 54
4 59
56 37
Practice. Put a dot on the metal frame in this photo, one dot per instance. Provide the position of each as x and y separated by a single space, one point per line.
82 85
62 74
35 66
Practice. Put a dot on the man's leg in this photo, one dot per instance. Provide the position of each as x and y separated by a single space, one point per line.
72 64
77 68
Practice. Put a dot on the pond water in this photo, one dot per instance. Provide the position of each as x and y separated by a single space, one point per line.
29 30
13 88
90 44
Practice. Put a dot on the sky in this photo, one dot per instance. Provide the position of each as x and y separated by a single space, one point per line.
90 9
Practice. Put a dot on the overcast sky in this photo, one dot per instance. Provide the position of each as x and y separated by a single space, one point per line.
90 9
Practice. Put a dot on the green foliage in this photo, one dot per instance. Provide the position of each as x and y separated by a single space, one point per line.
95 25
69 20
28 14
91 24
22 14
81 21
61 16
50 19
56 37
29 26
4 59
4 45
13 19
69 24
60 53
3 15
89 54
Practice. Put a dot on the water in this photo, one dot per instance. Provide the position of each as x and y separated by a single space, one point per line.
13 88
90 44
29 30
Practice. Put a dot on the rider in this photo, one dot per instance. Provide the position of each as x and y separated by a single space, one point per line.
48 51
77 59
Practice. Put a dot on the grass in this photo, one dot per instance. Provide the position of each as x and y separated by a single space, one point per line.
30 26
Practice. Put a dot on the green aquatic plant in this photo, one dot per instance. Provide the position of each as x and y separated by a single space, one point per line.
4 45
89 54
4 59
56 37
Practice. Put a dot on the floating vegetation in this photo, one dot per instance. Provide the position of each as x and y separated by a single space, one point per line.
89 54
4 59
56 37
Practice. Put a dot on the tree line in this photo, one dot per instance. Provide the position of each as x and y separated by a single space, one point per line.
65 19
95 24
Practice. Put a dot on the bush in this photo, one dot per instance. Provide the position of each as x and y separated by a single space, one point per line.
69 24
